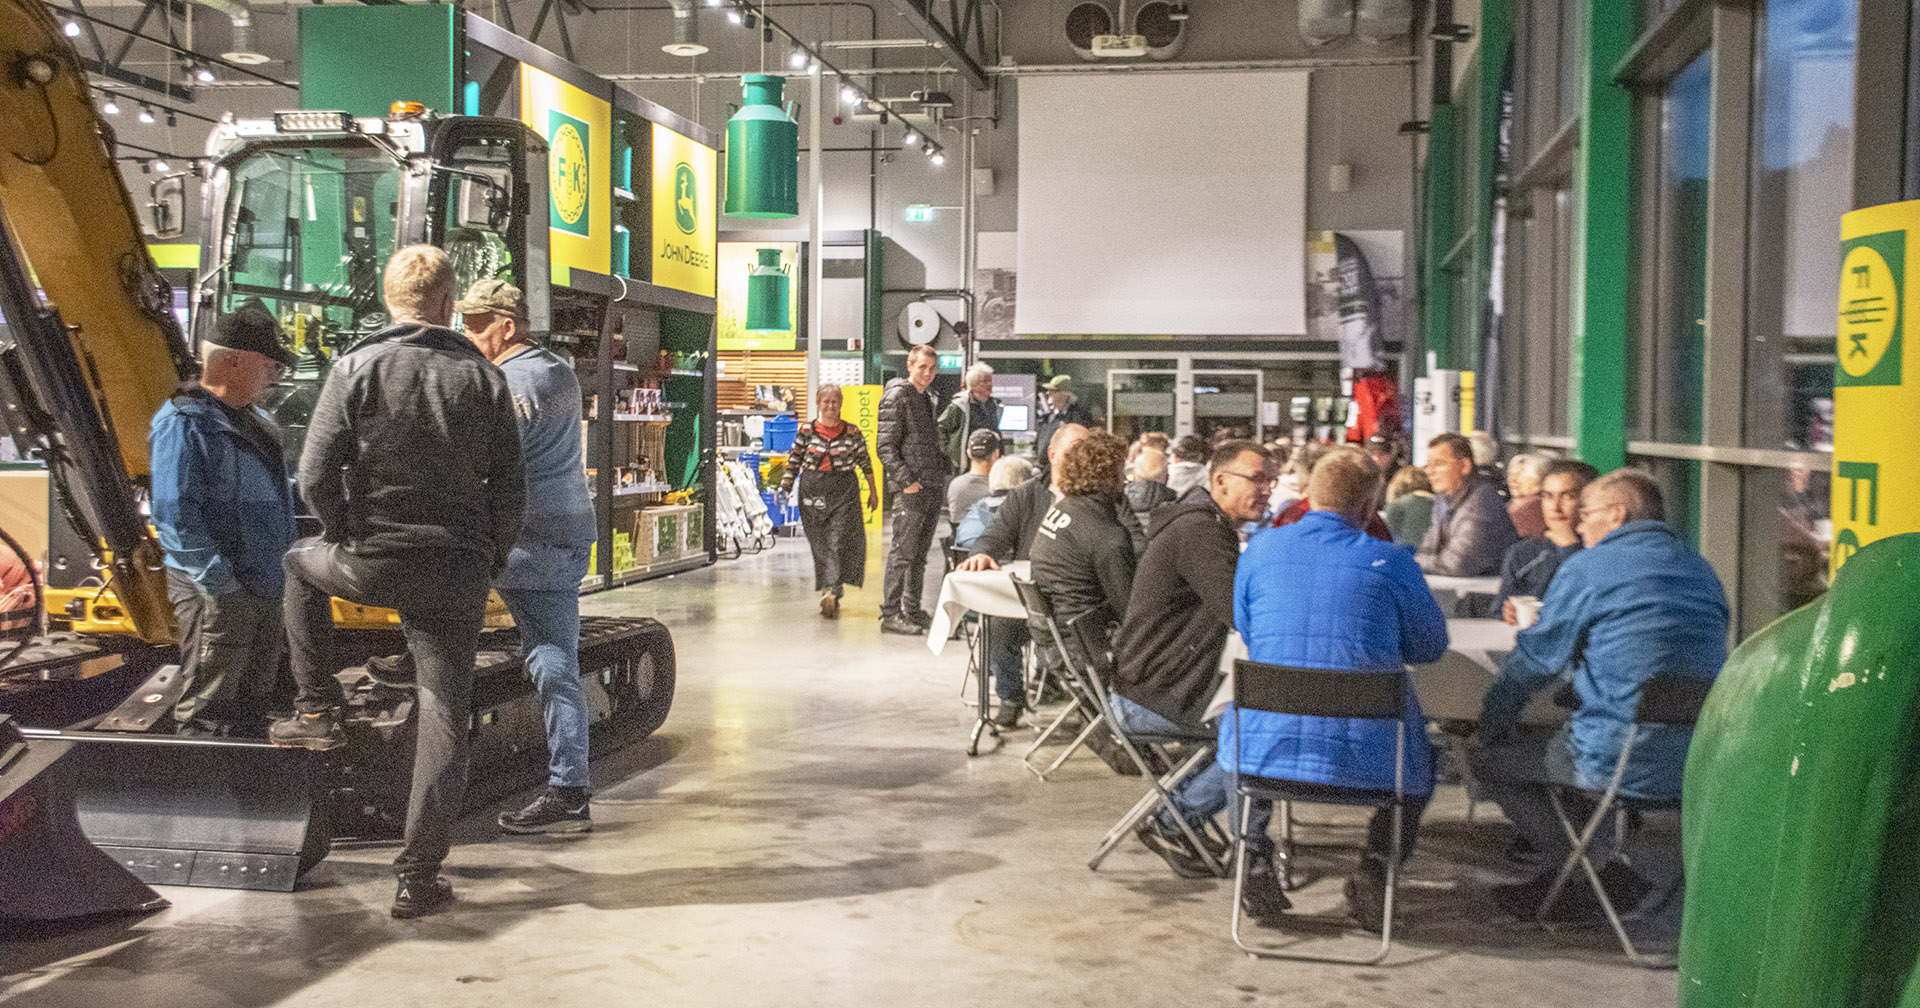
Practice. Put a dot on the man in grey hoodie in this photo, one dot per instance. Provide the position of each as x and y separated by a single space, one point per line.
412 464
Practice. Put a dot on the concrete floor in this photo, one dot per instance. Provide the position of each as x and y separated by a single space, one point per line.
808 830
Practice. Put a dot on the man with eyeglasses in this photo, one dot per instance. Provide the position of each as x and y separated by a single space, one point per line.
223 507
1168 646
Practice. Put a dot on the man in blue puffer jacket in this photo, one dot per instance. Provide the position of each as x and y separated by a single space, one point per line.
1635 603
1322 593
223 507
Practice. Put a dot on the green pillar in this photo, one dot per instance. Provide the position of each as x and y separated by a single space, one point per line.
1437 321
1496 37
1602 240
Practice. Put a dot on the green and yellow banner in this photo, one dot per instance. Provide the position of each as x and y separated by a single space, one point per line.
860 406
685 212
1876 398
579 132
736 259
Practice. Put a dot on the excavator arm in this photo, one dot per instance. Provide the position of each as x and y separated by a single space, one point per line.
92 353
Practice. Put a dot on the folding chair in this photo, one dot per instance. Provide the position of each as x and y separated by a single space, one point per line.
1090 633
1671 700
1280 689
1039 609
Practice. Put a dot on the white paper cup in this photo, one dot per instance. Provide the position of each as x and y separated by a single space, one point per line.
1526 610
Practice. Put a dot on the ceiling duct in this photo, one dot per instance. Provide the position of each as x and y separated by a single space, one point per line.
1086 21
686 30
241 48
1164 25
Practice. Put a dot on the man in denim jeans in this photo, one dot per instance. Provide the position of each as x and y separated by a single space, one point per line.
541 584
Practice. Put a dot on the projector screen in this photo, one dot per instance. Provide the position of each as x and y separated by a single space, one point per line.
1163 203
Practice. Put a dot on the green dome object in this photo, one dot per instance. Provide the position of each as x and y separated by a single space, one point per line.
767 295
763 153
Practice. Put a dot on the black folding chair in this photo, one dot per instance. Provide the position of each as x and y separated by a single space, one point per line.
1670 700
1091 634
1281 689
1079 699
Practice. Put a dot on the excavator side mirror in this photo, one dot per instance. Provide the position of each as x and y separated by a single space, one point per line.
167 204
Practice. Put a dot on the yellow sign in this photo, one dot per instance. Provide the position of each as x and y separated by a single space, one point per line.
685 212
1876 400
579 131
736 259
860 406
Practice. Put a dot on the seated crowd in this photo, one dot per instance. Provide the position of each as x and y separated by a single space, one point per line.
1322 563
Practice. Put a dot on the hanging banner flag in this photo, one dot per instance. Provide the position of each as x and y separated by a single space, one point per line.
685 215
1876 400
860 406
579 131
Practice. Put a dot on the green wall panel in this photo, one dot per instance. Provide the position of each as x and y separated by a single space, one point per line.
1437 320
1603 218
363 59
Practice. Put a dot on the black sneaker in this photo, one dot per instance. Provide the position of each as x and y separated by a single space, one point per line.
552 812
919 616
1171 845
1112 753
900 625
1007 717
1367 895
1263 898
418 897
392 670
308 731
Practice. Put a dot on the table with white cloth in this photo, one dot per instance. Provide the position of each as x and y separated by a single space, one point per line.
1451 689
1450 590
989 593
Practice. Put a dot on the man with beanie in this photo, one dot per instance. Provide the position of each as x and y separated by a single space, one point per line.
541 584
412 464
224 511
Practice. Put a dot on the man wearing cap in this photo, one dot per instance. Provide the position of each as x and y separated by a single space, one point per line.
541 582
966 490
224 510
1061 407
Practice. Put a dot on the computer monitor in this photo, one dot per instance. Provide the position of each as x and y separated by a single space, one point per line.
1016 417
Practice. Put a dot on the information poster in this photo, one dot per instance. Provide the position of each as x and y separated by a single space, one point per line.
1876 414
736 259
685 213
578 128
860 406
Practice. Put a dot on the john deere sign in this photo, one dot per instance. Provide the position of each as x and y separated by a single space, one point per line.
684 214
577 126
568 178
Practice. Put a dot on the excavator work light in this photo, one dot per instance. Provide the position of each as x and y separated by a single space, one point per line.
313 122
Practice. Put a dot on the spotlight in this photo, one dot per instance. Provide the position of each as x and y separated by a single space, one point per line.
71 29
912 140
849 95
733 15
713 3
146 115
111 107
203 74
813 67
798 59
159 165
939 158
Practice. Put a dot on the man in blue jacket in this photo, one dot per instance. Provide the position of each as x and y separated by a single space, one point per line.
1637 602
223 507
1322 593
541 583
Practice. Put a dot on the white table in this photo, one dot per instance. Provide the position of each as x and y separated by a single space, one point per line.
1451 689
988 592
1449 591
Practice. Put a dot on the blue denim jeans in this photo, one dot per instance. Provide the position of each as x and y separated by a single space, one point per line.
549 623
1205 791
1006 637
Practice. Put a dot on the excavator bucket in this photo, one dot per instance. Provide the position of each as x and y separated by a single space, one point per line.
49 871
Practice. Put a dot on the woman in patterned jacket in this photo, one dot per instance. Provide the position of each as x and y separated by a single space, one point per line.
828 450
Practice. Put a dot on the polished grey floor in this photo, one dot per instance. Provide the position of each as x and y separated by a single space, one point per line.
808 830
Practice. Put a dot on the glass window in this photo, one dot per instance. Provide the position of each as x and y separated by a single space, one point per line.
1786 530
1668 337
1571 60
1802 158
1679 482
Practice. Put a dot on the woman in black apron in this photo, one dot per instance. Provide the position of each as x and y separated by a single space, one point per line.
828 451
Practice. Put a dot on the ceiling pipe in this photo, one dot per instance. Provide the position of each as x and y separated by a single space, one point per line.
240 15
686 30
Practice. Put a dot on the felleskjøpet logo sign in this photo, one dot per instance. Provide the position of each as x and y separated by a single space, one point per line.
568 141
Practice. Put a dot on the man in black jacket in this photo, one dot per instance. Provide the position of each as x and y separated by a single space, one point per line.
916 471
412 463
1168 647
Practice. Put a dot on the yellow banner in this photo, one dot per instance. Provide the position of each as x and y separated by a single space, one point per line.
685 212
736 259
860 406
579 132
1876 400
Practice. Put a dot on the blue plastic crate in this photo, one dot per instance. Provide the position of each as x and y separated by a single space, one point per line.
778 433
752 461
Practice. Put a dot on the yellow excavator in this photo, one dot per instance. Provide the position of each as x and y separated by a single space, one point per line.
301 211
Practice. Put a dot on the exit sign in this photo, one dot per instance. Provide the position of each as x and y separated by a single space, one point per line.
919 212
950 362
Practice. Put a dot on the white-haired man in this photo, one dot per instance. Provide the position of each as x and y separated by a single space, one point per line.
412 463
973 408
